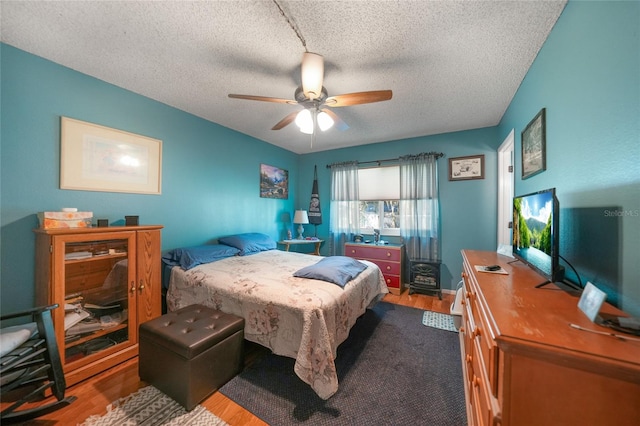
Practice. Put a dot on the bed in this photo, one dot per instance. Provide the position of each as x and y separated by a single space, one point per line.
305 319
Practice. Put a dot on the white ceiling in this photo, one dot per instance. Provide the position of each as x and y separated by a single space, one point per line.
452 65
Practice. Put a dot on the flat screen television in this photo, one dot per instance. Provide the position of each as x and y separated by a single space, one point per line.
535 233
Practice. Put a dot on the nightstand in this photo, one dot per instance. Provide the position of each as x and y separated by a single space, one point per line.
288 243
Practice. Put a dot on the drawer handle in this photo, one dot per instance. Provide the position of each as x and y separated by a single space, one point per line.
476 381
141 286
133 287
477 332
469 359
388 254
388 281
353 252
388 268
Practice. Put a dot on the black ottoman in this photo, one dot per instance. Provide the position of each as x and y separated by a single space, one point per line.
189 353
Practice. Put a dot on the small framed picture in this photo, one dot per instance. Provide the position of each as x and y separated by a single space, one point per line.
591 300
534 146
274 182
464 168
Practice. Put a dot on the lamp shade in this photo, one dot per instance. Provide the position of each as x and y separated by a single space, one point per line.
312 74
304 121
301 217
324 121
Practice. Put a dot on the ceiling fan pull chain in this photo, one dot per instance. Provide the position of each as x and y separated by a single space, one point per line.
315 126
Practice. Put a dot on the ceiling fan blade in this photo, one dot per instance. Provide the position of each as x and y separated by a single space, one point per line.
312 75
358 98
263 99
285 121
338 123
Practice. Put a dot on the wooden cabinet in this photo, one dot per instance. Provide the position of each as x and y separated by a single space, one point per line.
523 364
388 257
111 273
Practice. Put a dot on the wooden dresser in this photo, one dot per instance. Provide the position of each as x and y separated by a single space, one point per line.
388 257
524 365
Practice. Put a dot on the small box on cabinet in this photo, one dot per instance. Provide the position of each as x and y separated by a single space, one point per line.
54 220
131 220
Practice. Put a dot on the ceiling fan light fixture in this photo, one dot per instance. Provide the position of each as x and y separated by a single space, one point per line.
325 122
312 74
304 121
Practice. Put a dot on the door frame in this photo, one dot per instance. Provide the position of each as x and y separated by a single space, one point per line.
506 187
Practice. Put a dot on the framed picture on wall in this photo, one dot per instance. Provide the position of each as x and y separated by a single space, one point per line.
534 141
465 168
98 158
274 182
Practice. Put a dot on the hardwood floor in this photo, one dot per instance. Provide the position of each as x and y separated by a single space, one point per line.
99 391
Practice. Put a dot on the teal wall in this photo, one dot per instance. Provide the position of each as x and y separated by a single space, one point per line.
210 174
587 76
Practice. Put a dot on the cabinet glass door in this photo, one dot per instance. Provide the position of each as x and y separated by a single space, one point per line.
96 297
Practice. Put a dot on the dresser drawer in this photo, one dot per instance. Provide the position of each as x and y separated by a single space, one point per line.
393 281
467 342
387 268
486 407
481 334
373 252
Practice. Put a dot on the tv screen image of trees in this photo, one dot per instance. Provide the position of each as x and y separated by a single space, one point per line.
533 227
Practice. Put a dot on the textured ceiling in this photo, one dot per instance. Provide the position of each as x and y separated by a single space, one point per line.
452 65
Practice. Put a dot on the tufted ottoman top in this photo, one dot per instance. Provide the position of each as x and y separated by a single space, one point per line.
191 330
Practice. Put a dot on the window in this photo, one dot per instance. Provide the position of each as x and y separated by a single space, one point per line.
379 193
382 215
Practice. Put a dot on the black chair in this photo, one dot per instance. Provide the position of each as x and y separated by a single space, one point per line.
33 365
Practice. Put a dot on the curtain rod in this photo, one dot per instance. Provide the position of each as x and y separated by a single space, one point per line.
436 154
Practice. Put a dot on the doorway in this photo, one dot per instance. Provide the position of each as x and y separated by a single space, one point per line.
505 189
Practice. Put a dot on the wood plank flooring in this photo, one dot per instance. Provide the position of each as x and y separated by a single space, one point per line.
97 392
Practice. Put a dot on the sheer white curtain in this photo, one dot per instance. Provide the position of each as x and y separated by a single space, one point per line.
344 206
419 206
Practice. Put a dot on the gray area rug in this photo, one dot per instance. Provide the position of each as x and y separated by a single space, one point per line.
150 407
391 369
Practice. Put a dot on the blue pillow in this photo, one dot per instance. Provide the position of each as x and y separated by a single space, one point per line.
334 269
248 243
189 257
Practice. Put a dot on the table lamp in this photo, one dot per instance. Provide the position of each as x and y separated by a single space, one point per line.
300 218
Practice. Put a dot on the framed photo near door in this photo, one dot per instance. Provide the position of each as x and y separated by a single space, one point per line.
534 143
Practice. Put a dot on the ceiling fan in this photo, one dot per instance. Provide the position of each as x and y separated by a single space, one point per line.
314 99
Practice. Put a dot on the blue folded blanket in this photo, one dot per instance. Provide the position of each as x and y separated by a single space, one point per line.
334 269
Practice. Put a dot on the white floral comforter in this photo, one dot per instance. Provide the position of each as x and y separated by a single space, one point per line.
300 318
